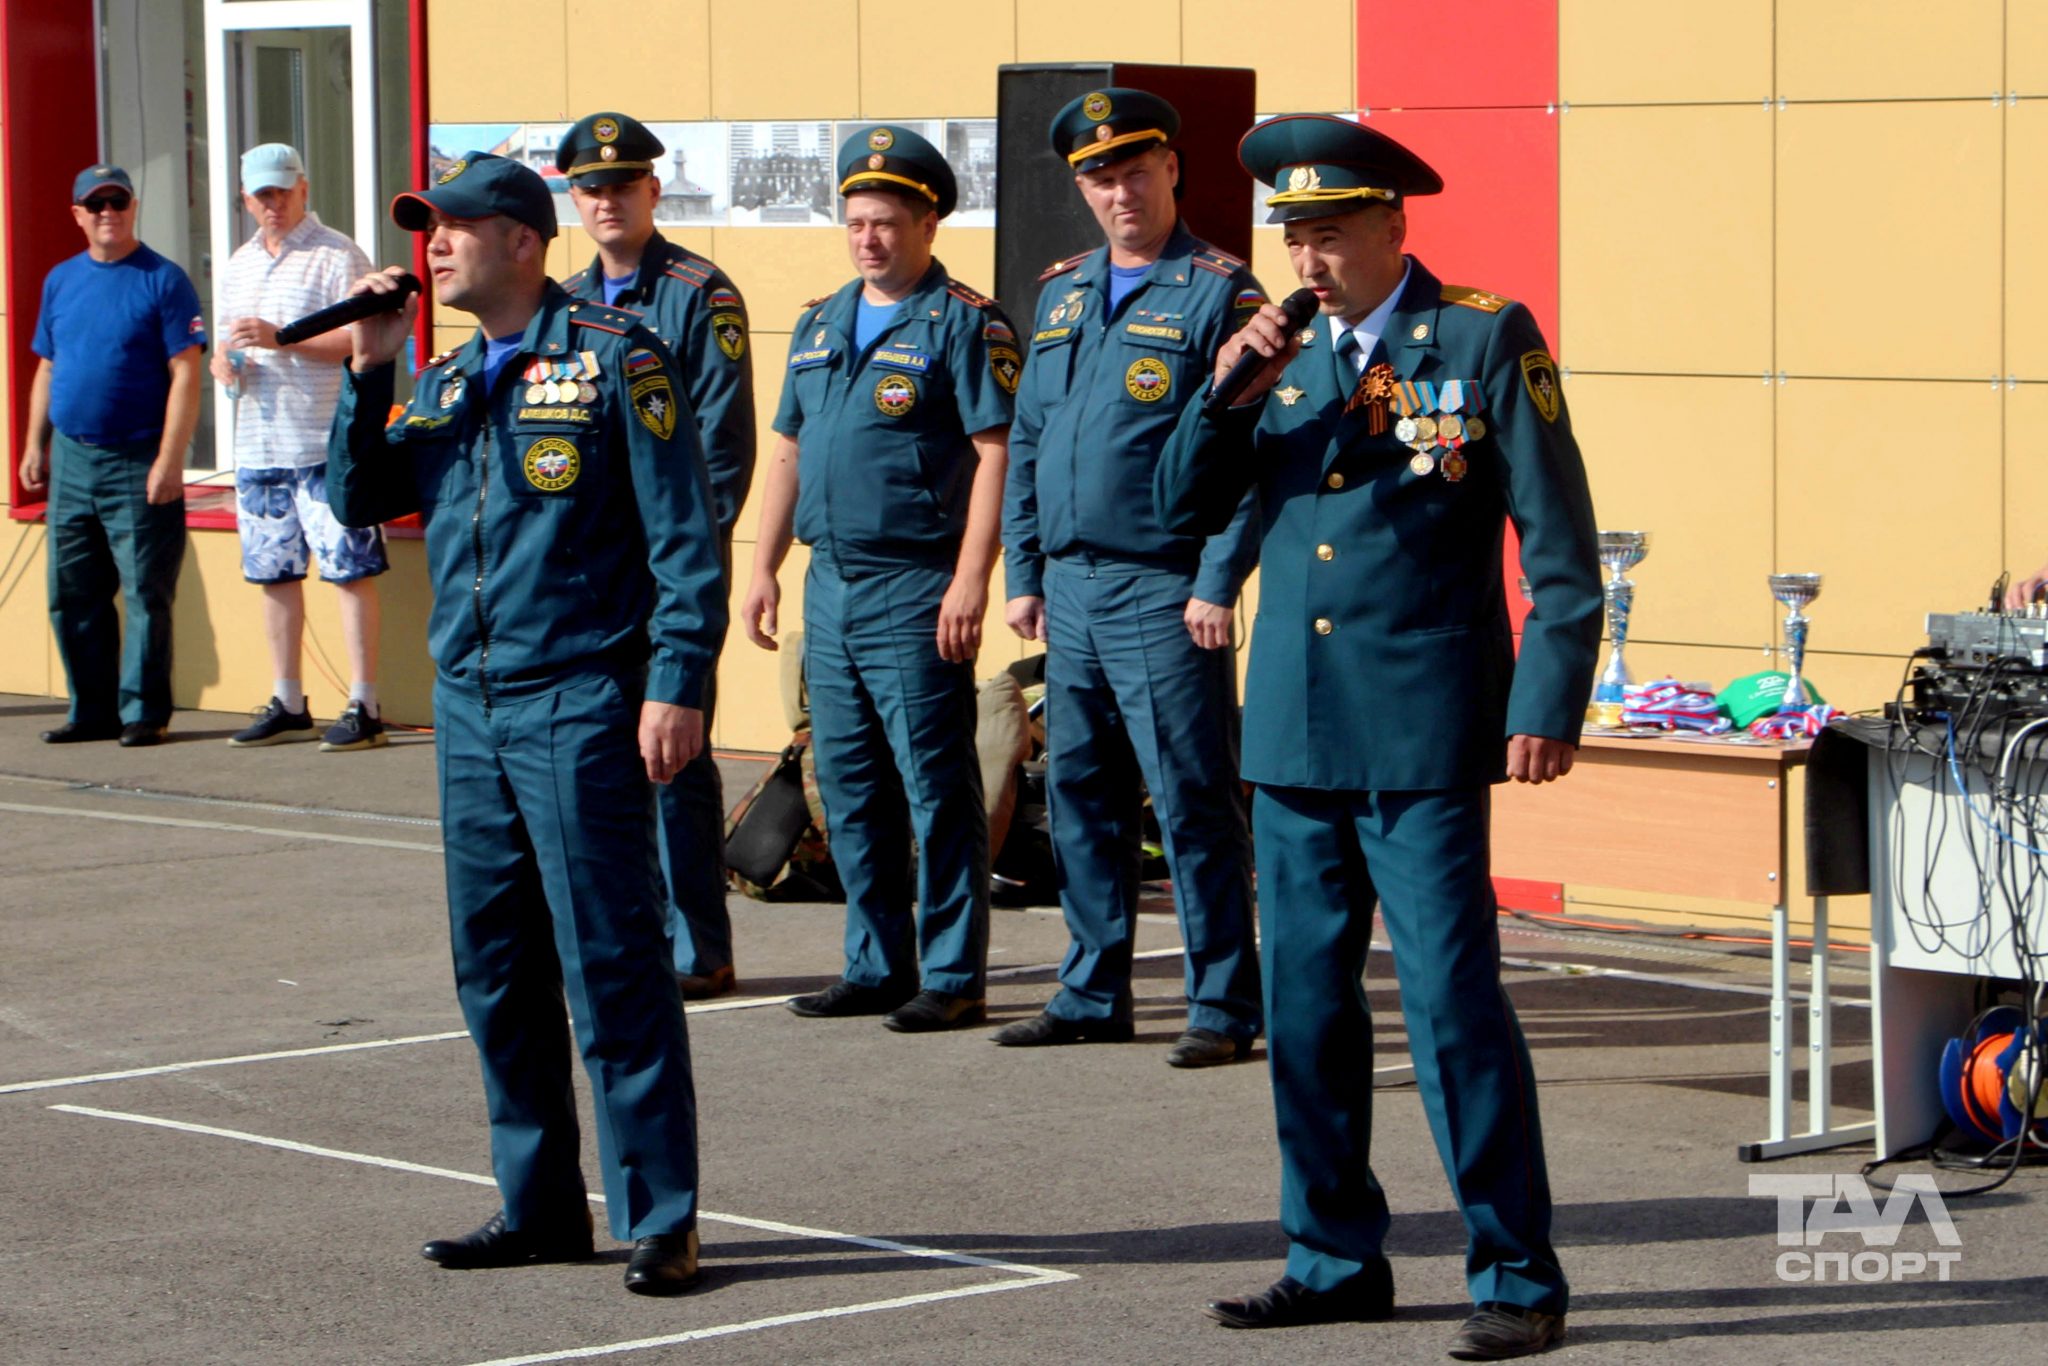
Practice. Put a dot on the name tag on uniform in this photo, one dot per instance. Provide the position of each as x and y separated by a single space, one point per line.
1050 334
904 360
571 415
1156 332
804 359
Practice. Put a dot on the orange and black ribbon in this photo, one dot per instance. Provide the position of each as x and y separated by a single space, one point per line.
1375 388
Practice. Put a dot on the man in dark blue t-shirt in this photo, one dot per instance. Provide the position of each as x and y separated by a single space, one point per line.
111 412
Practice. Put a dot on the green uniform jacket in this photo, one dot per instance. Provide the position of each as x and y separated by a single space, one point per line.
700 317
564 539
1381 656
885 464
1100 394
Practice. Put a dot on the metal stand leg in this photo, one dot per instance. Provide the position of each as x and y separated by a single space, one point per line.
1819 1049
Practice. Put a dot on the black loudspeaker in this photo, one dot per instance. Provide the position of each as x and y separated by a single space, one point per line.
1040 217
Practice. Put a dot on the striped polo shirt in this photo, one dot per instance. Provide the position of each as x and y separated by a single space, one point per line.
287 399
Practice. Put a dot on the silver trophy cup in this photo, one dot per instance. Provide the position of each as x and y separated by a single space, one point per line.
1796 591
1620 551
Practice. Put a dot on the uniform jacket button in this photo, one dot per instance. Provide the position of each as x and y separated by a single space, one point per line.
1325 552
1323 626
1336 480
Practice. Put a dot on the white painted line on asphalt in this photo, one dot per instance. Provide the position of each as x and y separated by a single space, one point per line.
166 1069
778 1321
1733 988
1027 1277
27 810
150 794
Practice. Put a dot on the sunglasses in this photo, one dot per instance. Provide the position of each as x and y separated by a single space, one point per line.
101 203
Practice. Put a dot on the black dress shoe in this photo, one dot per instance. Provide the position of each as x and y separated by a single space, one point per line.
929 1011
1207 1048
664 1264
74 733
1044 1030
136 734
496 1245
849 998
1367 1298
704 986
1498 1331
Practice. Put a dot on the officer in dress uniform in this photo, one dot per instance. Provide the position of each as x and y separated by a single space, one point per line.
697 312
578 604
1139 674
888 463
1390 441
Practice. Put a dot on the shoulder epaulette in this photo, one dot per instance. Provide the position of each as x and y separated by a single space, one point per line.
570 283
1469 297
602 317
1218 260
689 272
972 298
1062 267
813 303
441 359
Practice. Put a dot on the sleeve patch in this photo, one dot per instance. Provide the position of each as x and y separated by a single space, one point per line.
730 331
1539 376
1007 367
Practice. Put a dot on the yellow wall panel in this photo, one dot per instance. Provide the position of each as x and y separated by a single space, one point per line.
781 59
1624 51
2026 478
1081 31
749 677
29 663
661 73
496 61
957 50
1293 74
2026 48
780 269
1893 492
1689 461
1270 263
1889 49
1665 260
770 355
2026 265
1873 194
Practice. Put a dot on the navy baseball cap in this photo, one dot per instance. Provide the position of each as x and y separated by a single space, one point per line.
93 177
480 185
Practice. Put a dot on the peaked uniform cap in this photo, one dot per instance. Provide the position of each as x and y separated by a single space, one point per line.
1320 166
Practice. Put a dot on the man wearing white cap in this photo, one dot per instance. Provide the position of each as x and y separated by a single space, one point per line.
284 400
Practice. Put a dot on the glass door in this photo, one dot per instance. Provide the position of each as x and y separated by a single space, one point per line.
300 72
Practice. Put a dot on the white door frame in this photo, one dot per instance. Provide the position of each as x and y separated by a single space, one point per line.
224 17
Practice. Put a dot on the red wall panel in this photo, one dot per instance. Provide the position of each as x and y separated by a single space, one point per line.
49 97
1456 53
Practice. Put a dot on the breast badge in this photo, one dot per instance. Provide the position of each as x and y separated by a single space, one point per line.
552 464
895 395
451 392
1148 379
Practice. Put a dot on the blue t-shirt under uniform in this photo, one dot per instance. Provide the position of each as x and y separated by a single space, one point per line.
497 352
872 320
1124 279
109 330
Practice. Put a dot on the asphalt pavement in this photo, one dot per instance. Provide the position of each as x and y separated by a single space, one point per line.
235 1097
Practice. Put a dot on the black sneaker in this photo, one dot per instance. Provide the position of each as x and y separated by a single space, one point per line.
273 725
356 729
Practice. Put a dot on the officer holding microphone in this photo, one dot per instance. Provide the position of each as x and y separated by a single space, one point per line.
578 605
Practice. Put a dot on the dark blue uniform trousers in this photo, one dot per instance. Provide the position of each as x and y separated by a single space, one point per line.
1128 692
1324 858
692 808
892 726
548 822
105 537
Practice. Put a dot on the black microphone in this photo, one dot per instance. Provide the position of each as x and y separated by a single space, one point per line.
1299 307
368 304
